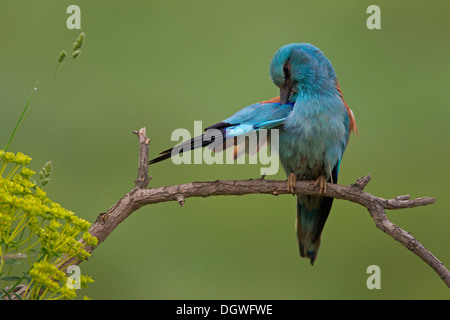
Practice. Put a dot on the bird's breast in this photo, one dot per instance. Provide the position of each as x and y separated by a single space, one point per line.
311 142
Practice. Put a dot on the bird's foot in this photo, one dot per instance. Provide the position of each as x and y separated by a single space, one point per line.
290 183
322 183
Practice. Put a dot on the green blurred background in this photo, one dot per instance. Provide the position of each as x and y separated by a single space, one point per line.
162 65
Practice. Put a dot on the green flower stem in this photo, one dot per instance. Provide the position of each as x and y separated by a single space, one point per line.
31 246
1 260
63 261
18 228
2 169
26 294
42 295
19 121
50 297
58 67
18 216
11 173
63 230
25 114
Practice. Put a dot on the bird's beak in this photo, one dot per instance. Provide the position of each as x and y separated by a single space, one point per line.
285 91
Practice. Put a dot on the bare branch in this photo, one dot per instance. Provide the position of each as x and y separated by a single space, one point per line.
142 179
141 196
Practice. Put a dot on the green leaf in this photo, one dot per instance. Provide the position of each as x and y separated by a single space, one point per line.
12 262
4 292
19 297
10 278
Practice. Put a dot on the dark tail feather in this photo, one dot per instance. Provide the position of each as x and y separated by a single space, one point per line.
197 142
161 158
312 212
194 143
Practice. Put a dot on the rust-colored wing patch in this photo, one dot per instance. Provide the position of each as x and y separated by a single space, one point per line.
273 100
351 117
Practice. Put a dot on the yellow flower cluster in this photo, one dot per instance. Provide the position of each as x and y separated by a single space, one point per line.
33 225
48 278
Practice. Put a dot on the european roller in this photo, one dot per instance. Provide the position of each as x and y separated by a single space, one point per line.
314 124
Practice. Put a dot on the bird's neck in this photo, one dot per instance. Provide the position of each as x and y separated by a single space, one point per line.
314 92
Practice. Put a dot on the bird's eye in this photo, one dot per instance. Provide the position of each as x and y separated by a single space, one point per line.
286 70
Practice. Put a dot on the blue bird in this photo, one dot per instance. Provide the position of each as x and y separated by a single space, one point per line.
314 124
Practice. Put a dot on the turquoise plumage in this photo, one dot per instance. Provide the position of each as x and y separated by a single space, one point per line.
314 124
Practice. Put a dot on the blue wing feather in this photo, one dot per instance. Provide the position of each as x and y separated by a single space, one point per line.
252 118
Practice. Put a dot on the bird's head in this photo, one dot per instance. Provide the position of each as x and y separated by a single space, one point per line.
301 67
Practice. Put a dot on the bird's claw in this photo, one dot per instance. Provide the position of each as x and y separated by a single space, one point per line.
322 183
290 183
